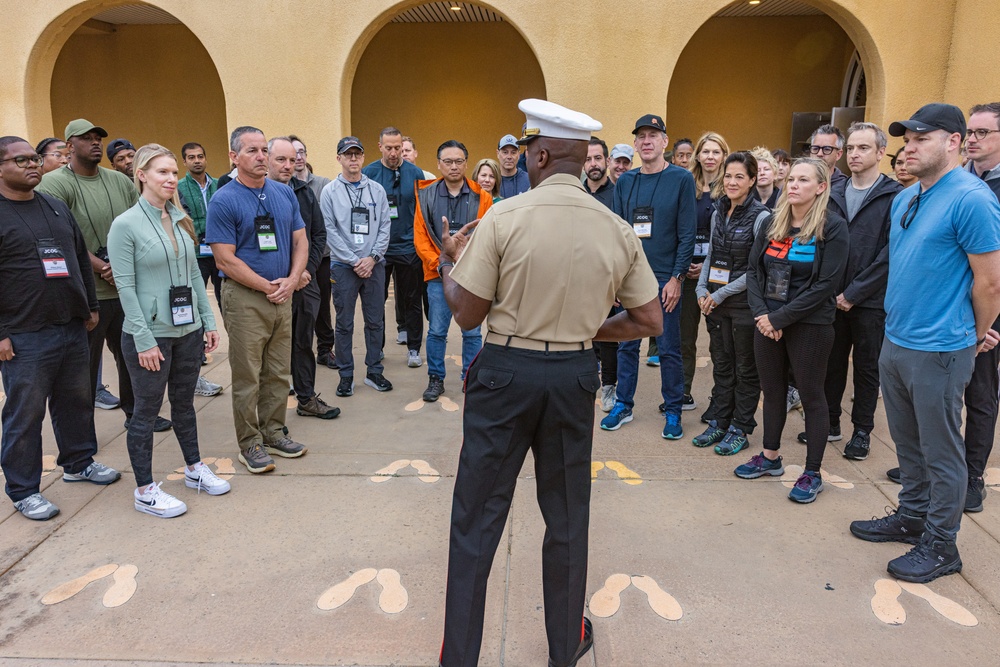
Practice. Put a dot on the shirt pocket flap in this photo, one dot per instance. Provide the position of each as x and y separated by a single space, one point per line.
591 382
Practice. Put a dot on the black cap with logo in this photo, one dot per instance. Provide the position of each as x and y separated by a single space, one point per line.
348 143
932 117
650 120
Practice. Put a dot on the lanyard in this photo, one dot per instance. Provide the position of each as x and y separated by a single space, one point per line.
44 217
166 254
350 195
638 194
111 204
260 196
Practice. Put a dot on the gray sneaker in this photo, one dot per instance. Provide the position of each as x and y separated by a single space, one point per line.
205 387
608 397
316 407
36 507
256 459
105 400
95 473
286 448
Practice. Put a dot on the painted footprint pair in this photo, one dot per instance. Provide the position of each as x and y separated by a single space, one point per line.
608 600
625 474
886 606
446 404
120 592
427 474
392 600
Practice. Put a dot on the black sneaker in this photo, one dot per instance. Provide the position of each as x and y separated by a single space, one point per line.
893 527
662 407
435 387
346 386
893 474
316 407
704 416
378 382
926 562
323 358
285 448
159 426
857 448
688 403
832 437
974 497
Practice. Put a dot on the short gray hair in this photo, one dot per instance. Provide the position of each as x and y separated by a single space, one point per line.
881 141
270 144
236 138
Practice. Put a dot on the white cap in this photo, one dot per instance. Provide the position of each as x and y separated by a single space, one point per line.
622 150
548 119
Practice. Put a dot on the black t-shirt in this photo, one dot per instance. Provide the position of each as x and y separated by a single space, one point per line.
29 300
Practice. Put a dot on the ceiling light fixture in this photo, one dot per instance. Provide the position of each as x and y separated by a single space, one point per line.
754 2
455 7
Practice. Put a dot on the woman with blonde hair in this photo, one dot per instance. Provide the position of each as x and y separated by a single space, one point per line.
487 174
796 266
767 190
167 312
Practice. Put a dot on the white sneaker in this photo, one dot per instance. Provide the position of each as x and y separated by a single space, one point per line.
159 503
401 338
202 478
608 397
413 359
206 388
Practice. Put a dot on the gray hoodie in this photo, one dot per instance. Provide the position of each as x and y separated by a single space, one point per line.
992 179
339 197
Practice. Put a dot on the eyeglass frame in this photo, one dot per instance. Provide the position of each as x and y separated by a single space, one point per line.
825 150
979 131
453 162
37 159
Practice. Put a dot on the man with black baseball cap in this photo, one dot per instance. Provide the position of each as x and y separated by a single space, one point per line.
945 233
121 152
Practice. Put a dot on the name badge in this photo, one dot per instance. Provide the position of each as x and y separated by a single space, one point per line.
642 221
393 207
204 250
53 259
181 306
359 220
267 238
700 249
718 273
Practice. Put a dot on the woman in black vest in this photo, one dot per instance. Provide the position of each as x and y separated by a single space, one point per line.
722 297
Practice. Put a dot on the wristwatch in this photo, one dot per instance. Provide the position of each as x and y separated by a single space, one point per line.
376 257
680 277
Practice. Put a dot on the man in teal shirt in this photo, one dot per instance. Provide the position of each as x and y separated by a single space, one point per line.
196 190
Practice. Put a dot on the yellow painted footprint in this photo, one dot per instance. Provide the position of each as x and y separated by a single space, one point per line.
338 594
701 362
415 405
388 472
595 467
948 608
124 587
426 472
457 358
885 602
661 602
992 477
447 404
223 469
48 465
393 598
608 600
66 590
625 474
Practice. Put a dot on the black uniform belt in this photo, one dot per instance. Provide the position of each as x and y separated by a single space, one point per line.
538 345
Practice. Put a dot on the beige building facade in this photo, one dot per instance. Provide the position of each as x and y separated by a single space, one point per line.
173 71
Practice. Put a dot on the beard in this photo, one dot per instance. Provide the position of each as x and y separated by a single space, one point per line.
595 173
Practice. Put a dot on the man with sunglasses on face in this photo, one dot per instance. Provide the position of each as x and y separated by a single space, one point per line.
942 297
827 144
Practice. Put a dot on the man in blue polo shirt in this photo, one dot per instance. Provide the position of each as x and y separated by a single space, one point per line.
658 200
942 297
259 242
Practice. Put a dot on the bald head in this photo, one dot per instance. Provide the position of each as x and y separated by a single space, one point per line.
546 156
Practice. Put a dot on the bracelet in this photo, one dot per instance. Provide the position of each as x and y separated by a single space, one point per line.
980 341
441 265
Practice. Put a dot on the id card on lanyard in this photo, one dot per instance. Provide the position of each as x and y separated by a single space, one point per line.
204 250
267 237
393 206
53 259
642 221
181 306
718 273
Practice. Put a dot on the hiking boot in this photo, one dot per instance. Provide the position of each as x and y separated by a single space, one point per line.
807 487
893 527
735 441
673 430
893 475
974 496
619 415
256 459
712 435
36 507
346 386
608 397
833 436
204 387
926 562
688 403
159 503
413 359
286 448
105 400
203 479
758 466
378 382
792 400
435 387
316 407
857 449
95 473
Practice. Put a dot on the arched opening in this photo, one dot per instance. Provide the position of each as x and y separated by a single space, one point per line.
769 73
439 73
137 71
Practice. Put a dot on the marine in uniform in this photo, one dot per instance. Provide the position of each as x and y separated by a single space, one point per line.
546 289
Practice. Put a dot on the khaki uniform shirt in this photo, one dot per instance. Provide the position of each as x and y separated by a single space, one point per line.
552 261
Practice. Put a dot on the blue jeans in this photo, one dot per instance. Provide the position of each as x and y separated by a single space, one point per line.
437 333
671 367
51 364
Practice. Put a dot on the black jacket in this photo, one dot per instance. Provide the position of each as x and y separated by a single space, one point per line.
312 216
816 302
868 266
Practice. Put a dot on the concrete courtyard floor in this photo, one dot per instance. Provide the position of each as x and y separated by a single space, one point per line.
758 580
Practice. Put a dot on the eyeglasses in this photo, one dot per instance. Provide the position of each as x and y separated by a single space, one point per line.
300 152
23 161
980 133
453 163
825 150
907 219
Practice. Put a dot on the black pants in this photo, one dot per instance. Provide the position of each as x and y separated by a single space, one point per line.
305 308
736 387
407 273
109 329
518 400
324 320
981 410
178 374
49 365
209 271
690 319
863 329
805 349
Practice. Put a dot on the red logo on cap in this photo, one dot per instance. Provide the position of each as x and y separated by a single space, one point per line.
654 121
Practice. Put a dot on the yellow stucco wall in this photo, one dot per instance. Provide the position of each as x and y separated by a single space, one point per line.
293 64
115 81
440 81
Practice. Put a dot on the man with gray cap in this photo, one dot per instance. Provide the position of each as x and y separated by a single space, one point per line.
621 161
945 233
513 181
534 382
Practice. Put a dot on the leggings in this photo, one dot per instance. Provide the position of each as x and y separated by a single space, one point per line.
805 349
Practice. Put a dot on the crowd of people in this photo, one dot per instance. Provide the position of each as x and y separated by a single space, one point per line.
794 268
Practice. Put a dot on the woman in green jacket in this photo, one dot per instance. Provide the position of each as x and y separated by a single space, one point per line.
167 314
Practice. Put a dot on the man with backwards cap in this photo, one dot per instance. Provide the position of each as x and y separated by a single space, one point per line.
121 152
945 233
534 382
